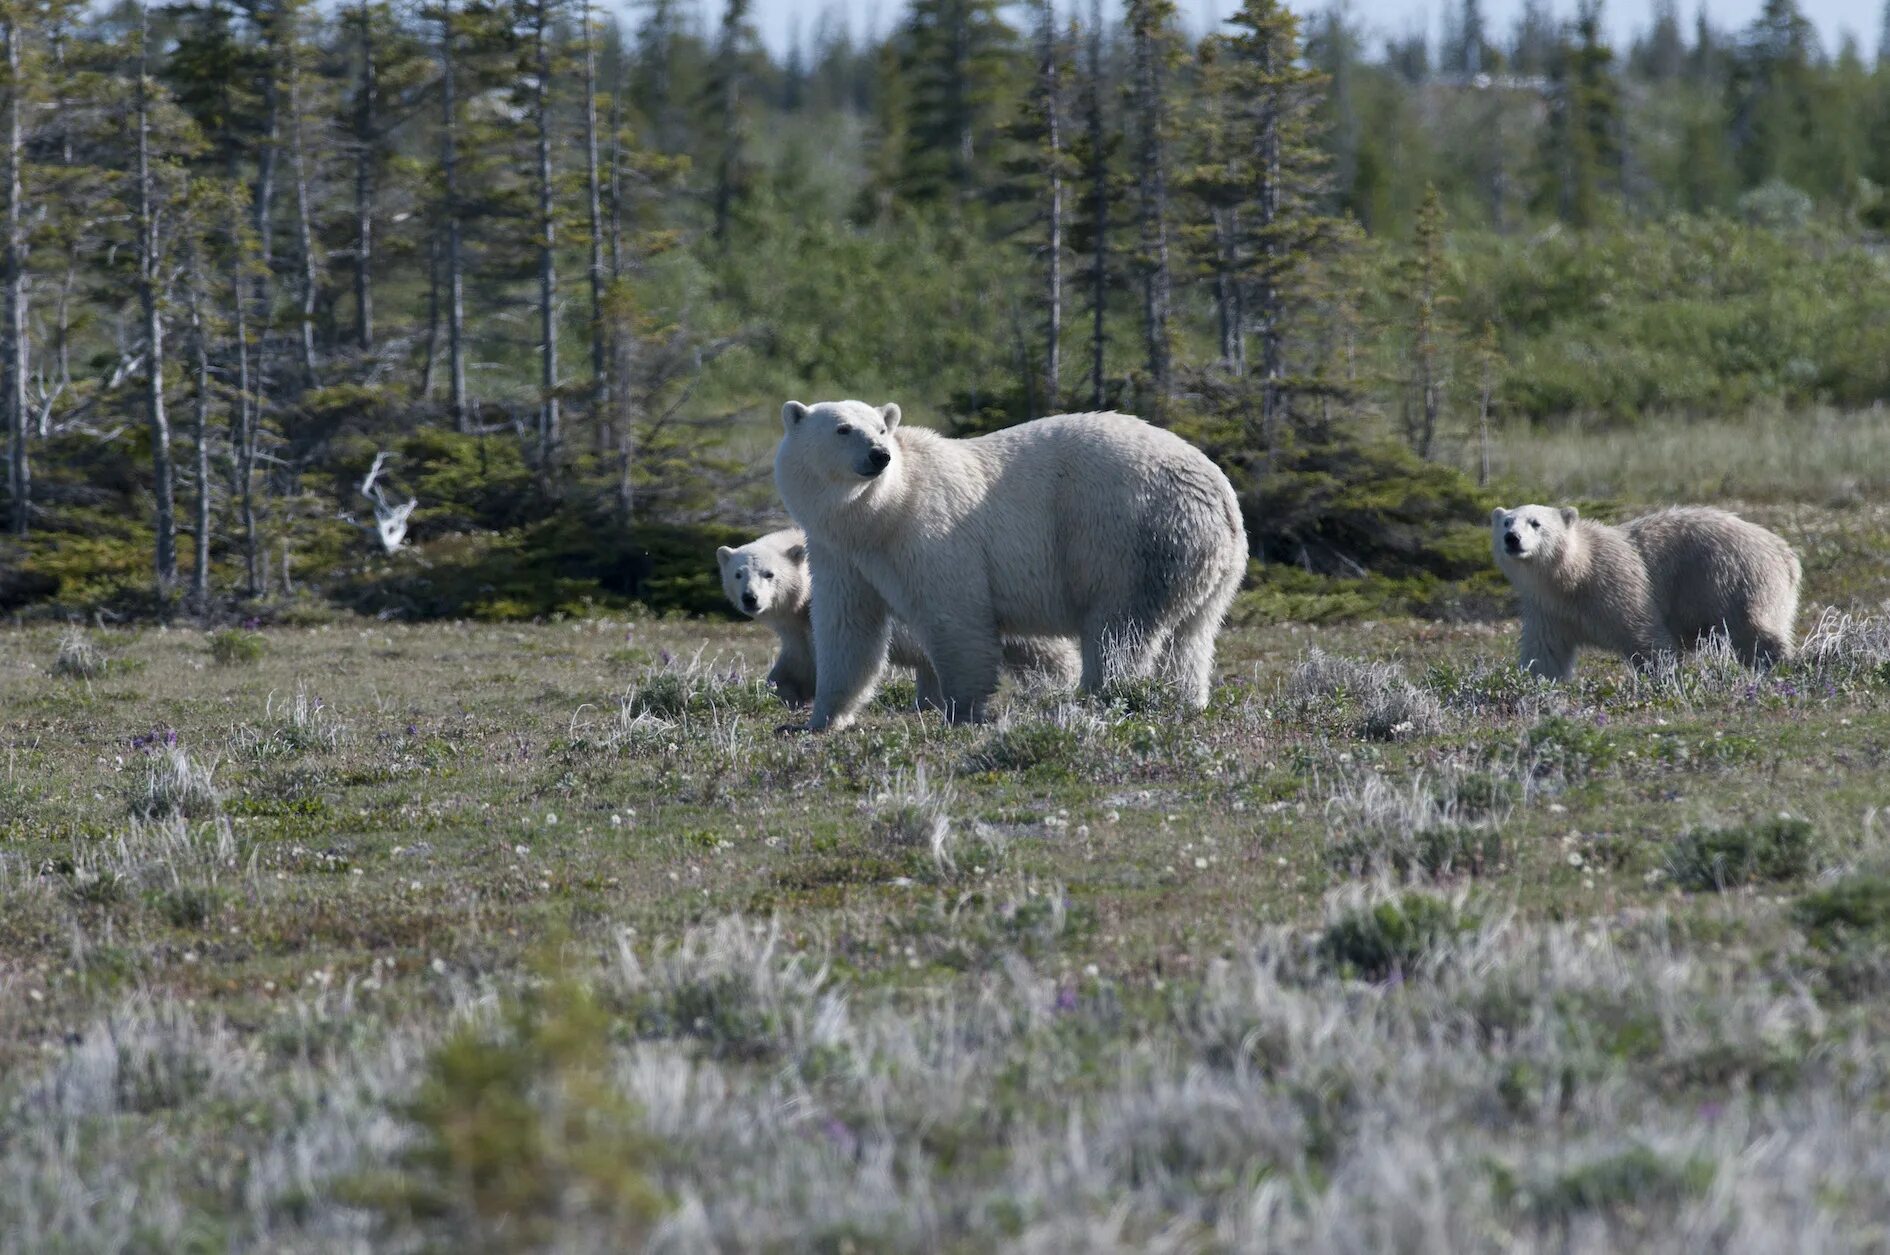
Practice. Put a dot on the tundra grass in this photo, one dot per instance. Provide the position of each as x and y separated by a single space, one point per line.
546 938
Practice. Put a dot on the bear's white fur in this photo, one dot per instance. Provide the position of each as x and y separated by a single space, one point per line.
767 579
1096 526
1656 584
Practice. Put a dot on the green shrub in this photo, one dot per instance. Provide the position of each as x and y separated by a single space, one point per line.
1395 937
1725 858
1571 747
1637 1177
235 647
1039 747
519 1130
1855 909
78 658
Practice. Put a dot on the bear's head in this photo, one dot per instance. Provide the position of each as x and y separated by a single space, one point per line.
847 445
1530 533
764 574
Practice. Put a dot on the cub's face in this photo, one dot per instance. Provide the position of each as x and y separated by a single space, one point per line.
757 578
847 442
1529 533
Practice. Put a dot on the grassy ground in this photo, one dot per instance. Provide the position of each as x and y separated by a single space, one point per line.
394 937
1827 457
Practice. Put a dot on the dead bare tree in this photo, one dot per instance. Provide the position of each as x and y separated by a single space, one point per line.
150 299
390 519
13 327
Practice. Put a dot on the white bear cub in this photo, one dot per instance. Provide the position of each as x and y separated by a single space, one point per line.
1657 584
1096 526
767 580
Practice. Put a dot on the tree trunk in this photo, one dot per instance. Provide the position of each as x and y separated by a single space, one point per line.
1151 105
1271 326
1053 277
304 231
547 245
728 105
148 299
365 144
243 423
429 366
13 330
455 278
600 360
200 573
1098 206
616 183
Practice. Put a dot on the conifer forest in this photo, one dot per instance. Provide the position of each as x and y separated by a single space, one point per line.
545 271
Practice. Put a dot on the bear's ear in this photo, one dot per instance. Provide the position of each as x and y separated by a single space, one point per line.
722 554
792 413
890 413
1569 515
797 554
1498 515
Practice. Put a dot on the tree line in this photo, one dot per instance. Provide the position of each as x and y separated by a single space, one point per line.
251 244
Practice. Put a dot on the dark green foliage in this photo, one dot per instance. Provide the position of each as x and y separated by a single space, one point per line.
1854 910
1396 937
1571 747
1773 849
516 1123
1349 527
1637 1177
574 562
236 647
1042 747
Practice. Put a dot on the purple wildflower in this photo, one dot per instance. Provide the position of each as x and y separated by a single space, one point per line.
1066 999
412 731
665 655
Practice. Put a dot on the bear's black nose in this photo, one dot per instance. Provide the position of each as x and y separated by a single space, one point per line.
1512 542
749 602
878 459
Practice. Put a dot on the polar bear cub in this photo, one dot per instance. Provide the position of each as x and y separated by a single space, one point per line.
1097 526
767 579
1656 584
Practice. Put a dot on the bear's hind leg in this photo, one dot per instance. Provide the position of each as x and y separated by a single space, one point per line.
1188 660
1117 648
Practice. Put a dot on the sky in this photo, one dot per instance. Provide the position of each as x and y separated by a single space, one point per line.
1863 18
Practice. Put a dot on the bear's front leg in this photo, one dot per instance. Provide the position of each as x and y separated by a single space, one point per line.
851 633
793 672
966 658
1545 653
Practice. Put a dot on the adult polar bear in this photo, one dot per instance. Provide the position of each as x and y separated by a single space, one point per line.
1096 526
1657 584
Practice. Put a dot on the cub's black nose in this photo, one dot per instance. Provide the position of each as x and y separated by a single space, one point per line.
1512 542
749 602
878 459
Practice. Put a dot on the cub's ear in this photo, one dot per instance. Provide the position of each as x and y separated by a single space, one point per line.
722 554
1569 515
1498 515
890 413
797 554
792 413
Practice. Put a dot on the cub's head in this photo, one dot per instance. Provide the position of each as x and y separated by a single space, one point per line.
765 574
847 444
1530 533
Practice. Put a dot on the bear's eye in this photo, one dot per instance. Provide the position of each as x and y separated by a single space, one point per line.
767 575
1535 524
843 430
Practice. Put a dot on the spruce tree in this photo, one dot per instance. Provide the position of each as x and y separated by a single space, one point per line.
1271 96
957 59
